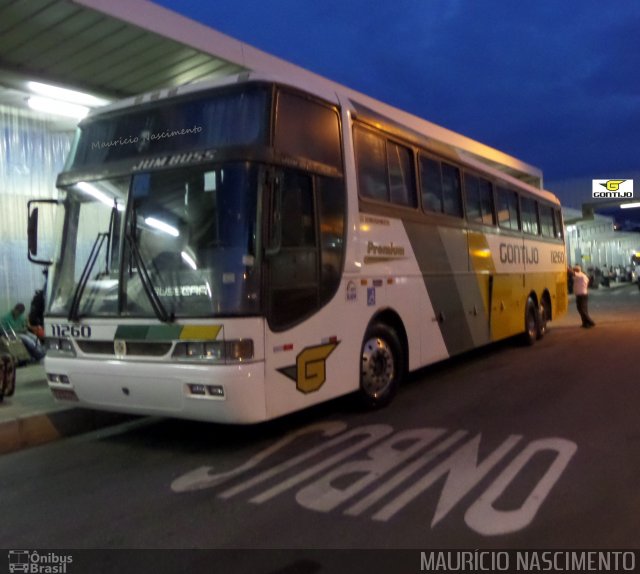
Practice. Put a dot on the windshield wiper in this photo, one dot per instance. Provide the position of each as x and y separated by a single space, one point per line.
91 261
86 272
158 307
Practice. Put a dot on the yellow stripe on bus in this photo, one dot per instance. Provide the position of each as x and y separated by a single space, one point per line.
200 332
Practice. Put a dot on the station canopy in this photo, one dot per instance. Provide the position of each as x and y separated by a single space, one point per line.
114 49
111 49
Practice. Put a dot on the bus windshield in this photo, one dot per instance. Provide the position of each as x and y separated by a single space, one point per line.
171 243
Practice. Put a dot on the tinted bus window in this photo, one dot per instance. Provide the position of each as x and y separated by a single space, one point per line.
479 199
371 161
508 209
557 221
230 118
385 169
401 180
431 184
451 190
486 201
306 128
529 216
546 221
472 197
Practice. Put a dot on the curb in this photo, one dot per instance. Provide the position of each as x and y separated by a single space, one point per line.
32 430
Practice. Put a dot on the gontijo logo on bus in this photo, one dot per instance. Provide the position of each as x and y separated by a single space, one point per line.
310 371
510 253
613 188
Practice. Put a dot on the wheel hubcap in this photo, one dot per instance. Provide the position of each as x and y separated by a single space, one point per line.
377 366
543 318
531 325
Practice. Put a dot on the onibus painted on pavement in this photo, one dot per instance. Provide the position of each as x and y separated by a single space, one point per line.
242 249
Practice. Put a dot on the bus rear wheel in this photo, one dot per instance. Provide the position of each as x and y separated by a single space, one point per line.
543 317
381 366
531 322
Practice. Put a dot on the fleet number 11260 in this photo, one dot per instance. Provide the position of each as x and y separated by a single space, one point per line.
74 331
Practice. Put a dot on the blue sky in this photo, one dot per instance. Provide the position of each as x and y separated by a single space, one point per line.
554 83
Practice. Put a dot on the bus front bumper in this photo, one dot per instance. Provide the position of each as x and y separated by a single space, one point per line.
214 393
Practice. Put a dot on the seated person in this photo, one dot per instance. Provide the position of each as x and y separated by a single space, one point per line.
15 321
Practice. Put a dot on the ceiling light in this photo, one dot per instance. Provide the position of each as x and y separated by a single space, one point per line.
57 107
71 96
630 205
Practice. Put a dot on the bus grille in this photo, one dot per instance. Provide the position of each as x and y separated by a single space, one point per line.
133 348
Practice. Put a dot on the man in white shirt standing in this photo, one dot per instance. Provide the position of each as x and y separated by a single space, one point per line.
581 290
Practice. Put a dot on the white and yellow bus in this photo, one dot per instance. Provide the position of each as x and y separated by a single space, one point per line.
239 250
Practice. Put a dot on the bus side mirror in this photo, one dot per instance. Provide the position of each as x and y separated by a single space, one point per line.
32 234
32 230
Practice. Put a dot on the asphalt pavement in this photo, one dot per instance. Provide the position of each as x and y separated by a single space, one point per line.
32 416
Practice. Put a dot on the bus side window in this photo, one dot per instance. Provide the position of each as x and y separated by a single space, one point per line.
451 190
331 215
546 221
293 280
472 197
298 225
557 220
308 129
485 189
371 165
431 184
529 216
401 180
508 209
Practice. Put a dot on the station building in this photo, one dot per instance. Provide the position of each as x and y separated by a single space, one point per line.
594 242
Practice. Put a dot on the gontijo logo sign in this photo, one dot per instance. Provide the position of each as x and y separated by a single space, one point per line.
612 188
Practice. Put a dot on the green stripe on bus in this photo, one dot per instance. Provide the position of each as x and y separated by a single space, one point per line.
131 332
164 332
167 332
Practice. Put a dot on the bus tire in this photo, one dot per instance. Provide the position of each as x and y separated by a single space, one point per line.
531 323
543 318
381 366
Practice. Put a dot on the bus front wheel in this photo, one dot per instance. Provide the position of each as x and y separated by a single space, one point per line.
381 366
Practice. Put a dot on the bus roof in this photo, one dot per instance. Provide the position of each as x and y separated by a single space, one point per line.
464 149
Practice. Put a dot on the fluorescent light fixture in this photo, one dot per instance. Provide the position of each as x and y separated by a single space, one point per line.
94 192
162 226
630 205
57 107
66 95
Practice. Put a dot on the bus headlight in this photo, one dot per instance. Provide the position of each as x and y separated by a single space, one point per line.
59 346
239 350
58 379
233 351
